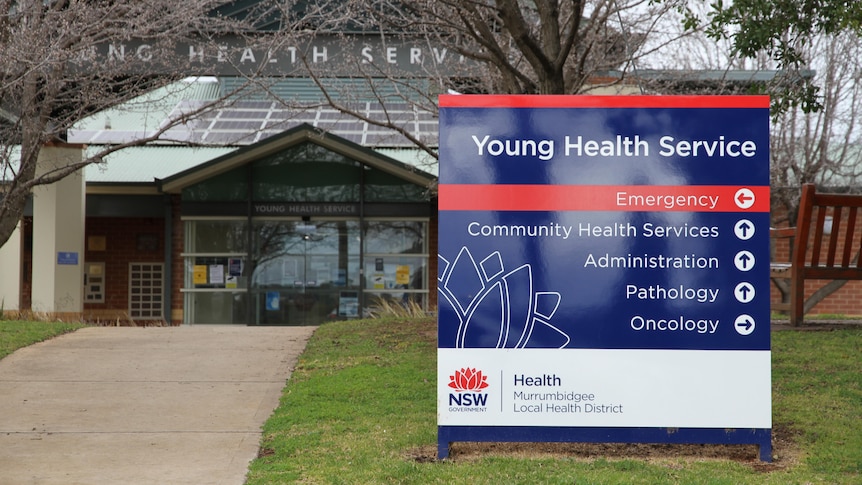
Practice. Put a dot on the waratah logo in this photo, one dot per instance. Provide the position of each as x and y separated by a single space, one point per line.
468 384
487 306
468 379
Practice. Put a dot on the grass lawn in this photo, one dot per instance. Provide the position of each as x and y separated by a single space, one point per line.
15 334
361 408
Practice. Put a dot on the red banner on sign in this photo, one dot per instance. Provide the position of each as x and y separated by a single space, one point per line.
623 198
553 101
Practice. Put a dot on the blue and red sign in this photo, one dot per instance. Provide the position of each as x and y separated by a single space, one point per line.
603 269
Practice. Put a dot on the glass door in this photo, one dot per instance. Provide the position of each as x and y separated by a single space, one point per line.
306 272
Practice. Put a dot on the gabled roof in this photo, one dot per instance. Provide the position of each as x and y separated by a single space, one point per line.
295 136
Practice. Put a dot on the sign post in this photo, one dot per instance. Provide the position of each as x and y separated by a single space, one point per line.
603 270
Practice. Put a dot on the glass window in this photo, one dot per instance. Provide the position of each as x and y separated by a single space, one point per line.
395 263
203 236
217 307
306 173
230 186
395 237
306 272
298 254
395 272
383 187
215 271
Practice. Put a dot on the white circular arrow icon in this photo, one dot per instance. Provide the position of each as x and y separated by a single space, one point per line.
744 292
744 229
744 198
744 324
744 260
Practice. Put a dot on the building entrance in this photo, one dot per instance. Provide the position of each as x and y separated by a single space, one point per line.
300 236
306 272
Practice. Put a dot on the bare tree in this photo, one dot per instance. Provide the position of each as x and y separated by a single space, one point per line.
467 46
61 60
823 147
537 47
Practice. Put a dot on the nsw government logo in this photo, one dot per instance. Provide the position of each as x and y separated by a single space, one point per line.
468 385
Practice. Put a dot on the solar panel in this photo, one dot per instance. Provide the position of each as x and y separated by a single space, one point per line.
236 126
329 115
229 138
249 121
242 114
256 104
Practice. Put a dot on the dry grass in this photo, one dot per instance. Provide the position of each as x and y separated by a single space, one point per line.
387 307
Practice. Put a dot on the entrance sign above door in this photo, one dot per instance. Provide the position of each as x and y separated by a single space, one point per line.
603 270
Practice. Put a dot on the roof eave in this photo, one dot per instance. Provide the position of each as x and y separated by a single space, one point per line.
292 137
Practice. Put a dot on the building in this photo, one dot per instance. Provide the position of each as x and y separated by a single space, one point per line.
295 224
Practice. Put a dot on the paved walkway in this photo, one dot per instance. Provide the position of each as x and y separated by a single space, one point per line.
154 405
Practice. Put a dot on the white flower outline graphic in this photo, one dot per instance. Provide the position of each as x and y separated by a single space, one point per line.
497 308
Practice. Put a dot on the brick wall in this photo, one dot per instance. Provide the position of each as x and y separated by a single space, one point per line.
178 229
139 240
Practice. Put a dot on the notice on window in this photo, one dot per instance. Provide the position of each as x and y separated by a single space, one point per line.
402 275
272 300
199 274
216 274
348 304
234 266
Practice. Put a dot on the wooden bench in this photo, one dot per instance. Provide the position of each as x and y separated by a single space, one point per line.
825 245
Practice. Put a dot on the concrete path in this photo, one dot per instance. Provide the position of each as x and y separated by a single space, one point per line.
154 405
